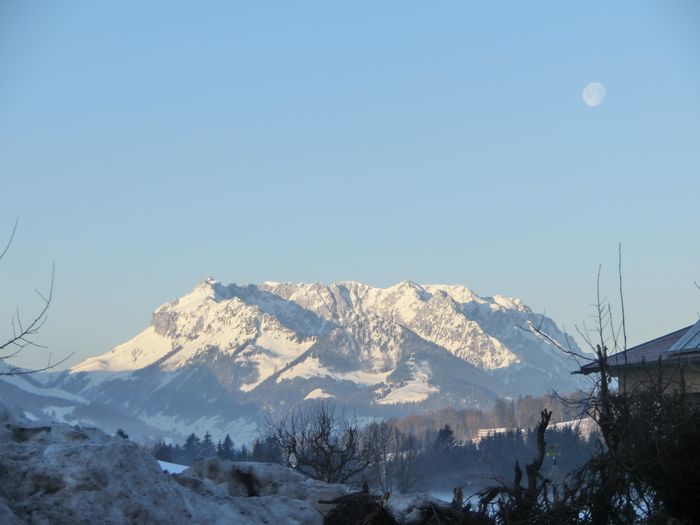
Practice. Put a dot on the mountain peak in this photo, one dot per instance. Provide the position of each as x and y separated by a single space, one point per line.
228 349
407 283
510 303
283 319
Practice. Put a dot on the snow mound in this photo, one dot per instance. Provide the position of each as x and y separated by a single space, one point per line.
61 474
408 509
65 474
229 478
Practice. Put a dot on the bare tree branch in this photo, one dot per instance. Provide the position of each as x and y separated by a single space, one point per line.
23 333
21 337
18 371
12 236
568 349
322 443
622 296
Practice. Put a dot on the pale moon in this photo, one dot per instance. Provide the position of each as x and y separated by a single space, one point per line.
593 94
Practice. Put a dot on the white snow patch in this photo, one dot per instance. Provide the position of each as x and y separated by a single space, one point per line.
362 377
30 416
21 383
510 303
415 390
143 350
460 294
412 392
59 414
309 367
241 430
312 367
203 292
318 393
272 351
584 426
172 468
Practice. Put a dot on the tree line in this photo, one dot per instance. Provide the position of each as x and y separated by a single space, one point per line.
262 450
320 440
522 412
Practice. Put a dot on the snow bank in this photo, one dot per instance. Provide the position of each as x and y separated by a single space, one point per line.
212 476
60 474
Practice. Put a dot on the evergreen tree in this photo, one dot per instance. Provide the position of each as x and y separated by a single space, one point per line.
227 448
510 416
207 448
178 455
445 441
192 447
163 452
266 451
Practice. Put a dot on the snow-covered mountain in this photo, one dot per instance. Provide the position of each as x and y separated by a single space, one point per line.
220 356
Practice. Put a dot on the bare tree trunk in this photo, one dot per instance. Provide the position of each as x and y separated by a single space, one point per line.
533 469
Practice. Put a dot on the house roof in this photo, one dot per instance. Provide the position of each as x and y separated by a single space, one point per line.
667 347
689 341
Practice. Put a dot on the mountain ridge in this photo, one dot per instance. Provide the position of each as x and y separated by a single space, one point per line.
228 353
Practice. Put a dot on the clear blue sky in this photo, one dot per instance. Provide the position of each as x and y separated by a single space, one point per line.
148 145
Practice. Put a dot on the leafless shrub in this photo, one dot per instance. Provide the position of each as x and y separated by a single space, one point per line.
320 441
